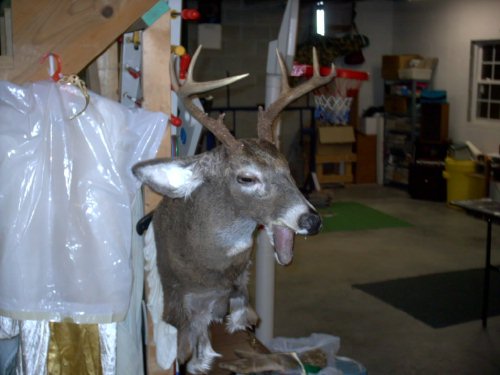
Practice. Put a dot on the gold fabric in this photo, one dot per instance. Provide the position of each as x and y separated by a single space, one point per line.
74 349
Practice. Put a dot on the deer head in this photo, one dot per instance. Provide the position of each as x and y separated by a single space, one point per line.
253 174
213 203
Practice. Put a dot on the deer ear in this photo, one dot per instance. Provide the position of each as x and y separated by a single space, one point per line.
174 178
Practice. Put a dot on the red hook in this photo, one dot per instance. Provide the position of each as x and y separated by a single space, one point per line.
56 76
184 65
188 14
175 121
135 73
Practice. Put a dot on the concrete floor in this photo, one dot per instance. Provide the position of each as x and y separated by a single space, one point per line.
315 293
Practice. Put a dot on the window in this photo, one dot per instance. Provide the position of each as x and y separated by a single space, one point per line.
485 99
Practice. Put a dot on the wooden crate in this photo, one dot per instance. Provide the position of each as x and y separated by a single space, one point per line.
332 169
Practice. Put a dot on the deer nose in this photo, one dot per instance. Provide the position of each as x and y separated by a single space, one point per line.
311 222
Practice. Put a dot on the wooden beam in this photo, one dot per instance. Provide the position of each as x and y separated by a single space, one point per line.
157 93
78 31
108 70
156 83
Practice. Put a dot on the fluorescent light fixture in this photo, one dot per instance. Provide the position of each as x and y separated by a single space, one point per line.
320 18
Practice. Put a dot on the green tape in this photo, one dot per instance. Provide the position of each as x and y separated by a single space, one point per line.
158 10
311 369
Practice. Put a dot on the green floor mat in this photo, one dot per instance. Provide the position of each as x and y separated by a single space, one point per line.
346 216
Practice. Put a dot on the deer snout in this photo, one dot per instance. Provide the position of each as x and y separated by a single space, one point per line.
310 222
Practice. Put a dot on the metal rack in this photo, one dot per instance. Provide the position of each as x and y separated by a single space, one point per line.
401 129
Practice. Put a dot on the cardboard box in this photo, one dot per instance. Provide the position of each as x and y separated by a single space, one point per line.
391 64
415 73
335 140
336 134
426 63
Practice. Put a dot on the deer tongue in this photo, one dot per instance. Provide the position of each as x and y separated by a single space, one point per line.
283 244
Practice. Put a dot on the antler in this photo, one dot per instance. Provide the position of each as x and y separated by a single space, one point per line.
190 87
288 95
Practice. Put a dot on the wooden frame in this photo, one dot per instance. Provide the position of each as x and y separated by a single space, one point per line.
77 31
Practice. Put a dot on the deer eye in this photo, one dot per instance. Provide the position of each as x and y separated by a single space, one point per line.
246 179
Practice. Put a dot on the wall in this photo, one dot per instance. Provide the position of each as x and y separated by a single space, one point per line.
445 29
246 32
438 28
374 19
247 28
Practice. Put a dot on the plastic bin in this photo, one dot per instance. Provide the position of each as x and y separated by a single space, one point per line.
463 182
349 366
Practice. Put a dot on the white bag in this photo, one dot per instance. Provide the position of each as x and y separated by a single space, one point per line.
66 191
328 344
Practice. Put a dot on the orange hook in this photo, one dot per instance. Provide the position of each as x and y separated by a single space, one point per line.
56 76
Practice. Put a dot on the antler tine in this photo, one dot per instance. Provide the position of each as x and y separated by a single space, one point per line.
190 87
288 95
174 81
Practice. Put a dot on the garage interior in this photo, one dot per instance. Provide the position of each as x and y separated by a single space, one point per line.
403 296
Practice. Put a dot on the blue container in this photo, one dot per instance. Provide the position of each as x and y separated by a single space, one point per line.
433 96
349 366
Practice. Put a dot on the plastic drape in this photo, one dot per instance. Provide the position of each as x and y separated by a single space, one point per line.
65 195
120 343
164 334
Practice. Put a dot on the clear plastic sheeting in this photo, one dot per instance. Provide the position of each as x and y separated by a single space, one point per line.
65 195
318 349
164 334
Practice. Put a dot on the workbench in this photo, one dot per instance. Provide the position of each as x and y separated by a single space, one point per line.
488 210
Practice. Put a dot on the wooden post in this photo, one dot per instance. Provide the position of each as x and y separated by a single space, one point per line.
157 92
156 83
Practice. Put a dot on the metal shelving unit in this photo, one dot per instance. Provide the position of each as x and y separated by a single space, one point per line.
401 128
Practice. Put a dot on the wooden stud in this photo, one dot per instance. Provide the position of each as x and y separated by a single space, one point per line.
157 94
156 83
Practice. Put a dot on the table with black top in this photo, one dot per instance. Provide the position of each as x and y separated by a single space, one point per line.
488 210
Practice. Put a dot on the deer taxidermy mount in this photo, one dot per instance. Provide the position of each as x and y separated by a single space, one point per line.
213 203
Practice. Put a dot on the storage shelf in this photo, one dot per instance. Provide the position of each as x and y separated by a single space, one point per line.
402 127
